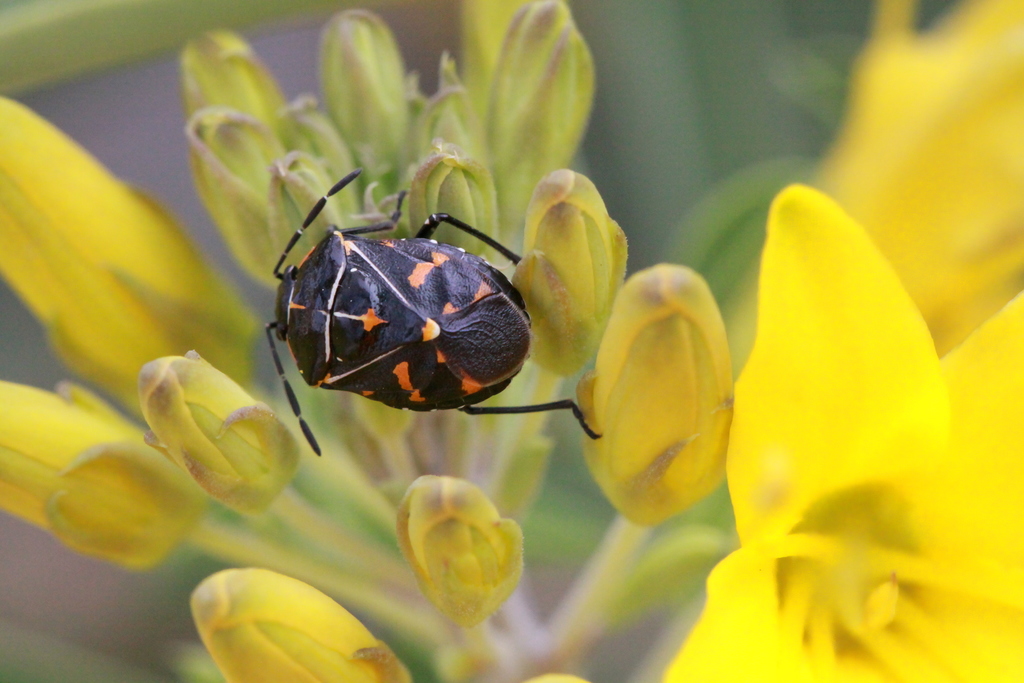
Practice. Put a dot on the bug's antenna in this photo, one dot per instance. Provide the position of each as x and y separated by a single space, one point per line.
314 212
288 390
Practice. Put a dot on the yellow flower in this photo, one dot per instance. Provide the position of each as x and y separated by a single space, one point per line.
71 465
466 557
660 395
108 271
877 490
262 626
234 446
930 159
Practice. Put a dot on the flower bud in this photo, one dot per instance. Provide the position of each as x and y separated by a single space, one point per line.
297 182
466 558
449 115
540 101
264 627
231 444
230 154
308 129
72 465
483 25
364 87
574 264
107 271
220 68
450 182
660 395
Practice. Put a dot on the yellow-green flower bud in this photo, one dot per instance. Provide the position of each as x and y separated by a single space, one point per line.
365 90
109 272
297 181
574 262
466 558
660 395
72 465
450 182
449 115
483 25
232 445
231 155
309 130
264 627
220 68
540 101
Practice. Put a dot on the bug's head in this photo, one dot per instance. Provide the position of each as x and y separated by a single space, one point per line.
284 295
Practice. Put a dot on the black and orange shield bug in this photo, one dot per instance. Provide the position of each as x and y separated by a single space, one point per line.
411 323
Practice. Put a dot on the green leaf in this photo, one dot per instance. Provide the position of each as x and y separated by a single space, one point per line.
724 233
50 40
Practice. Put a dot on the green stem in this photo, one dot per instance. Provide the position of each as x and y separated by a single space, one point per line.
517 429
364 557
666 646
580 618
355 488
414 620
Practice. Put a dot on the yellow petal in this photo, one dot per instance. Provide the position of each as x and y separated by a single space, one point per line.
976 498
843 385
108 271
738 637
930 161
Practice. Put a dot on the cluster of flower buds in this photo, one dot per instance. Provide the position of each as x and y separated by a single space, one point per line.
260 163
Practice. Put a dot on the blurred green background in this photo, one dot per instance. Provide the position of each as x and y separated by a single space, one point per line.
690 93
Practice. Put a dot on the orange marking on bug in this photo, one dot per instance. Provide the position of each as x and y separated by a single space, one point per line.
402 373
415 396
346 244
419 274
367 393
292 304
430 330
388 243
449 308
306 257
440 356
371 320
470 386
438 258
483 290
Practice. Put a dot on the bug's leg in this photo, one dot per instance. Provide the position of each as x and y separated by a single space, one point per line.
288 390
389 224
436 219
314 212
564 404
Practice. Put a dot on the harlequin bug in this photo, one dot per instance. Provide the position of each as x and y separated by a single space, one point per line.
411 323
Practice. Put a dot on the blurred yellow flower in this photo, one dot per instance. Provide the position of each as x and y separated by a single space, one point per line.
264 627
877 490
931 159
109 273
